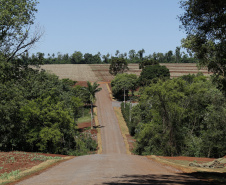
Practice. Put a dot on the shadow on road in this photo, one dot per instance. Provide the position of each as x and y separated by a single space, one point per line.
99 126
179 179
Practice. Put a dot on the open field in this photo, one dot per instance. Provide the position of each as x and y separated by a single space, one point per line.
100 72
77 72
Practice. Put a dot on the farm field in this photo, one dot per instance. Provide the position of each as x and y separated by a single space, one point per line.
77 72
100 72
18 164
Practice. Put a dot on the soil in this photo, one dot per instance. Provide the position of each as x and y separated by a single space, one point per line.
82 83
11 161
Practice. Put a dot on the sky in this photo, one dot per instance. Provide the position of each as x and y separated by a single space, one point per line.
104 26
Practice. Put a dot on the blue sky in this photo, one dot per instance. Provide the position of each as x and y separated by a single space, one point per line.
104 26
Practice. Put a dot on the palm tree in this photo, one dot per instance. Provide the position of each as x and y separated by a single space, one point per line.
92 90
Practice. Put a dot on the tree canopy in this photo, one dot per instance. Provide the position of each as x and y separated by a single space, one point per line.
183 116
153 72
204 22
123 82
16 19
118 65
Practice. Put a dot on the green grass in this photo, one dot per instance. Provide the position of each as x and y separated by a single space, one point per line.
8 175
85 116
84 119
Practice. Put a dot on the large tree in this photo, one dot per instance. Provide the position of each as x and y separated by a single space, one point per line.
118 65
122 83
204 22
16 19
152 73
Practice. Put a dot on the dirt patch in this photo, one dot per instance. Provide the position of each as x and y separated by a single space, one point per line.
82 83
184 158
12 161
82 126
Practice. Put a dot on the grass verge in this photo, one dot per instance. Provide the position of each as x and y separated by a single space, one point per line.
99 151
123 127
216 175
110 93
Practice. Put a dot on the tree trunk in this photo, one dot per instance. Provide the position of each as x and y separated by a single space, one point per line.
91 115
124 99
130 111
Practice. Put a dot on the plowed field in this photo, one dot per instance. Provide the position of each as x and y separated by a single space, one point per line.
100 72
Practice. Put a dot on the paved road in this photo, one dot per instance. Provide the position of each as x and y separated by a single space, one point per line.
112 140
114 166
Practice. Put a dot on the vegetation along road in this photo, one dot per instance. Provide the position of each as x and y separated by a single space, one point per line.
113 166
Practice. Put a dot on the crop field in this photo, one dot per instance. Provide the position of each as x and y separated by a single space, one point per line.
13 164
100 72
76 72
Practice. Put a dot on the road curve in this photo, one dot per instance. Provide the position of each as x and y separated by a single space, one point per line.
114 166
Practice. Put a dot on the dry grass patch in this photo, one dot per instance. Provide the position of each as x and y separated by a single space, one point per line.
123 127
99 151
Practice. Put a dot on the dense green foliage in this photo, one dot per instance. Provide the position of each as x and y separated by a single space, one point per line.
118 66
38 112
127 115
147 62
152 73
122 83
204 22
184 116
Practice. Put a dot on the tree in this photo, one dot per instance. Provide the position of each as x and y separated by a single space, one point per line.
141 53
122 83
169 55
186 116
147 62
16 19
178 55
77 57
118 65
132 54
153 72
106 58
117 52
204 22
92 90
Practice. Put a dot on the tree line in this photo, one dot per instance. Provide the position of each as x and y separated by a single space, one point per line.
131 57
185 115
38 111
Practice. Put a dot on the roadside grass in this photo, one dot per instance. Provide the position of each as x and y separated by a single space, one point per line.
85 116
216 175
99 141
84 119
123 127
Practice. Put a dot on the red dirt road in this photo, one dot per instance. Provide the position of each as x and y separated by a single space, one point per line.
114 166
